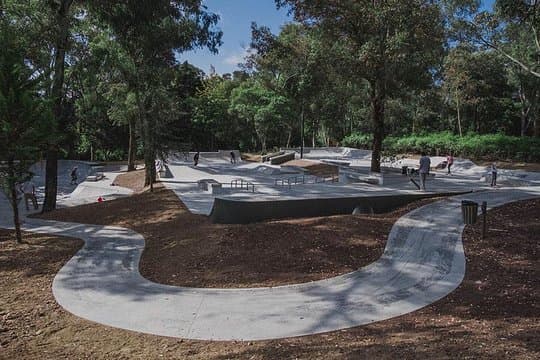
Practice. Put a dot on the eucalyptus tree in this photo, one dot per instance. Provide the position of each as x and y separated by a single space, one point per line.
212 123
45 28
391 44
261 107
153 33
489 29
293 65
25 117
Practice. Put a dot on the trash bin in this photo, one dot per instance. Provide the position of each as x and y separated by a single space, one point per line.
469 210
404 170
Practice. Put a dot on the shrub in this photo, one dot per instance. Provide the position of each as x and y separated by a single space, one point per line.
488 147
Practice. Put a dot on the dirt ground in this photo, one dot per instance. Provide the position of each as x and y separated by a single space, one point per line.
202 254
494 314
133 180
315 167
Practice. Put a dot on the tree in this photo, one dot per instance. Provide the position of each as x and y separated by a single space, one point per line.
62 19
44 27
259 106
390 44
24 118
153 33
489 29
292 64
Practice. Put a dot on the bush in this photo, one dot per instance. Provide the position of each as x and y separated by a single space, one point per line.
487 147
110 155
358 140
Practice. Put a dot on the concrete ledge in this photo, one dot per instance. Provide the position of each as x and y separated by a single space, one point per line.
228 211
95 177
267 157
204 184
280 159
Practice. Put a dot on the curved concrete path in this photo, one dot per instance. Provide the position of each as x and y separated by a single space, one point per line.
423 261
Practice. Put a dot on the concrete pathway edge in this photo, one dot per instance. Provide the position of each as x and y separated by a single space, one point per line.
423 261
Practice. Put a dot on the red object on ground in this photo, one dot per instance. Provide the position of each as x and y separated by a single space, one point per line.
100 199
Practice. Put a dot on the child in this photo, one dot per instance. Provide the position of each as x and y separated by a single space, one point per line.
494 174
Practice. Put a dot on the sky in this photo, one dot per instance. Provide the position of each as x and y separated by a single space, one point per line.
236 17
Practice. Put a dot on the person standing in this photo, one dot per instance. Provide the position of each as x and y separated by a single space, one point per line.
196 159
449 162
493 174
425 164
233 158
29 192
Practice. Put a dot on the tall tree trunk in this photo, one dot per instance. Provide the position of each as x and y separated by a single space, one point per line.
148 146
149 154
51 172
263 145
132 146
302 132
51 178
13 198
289 137
458 116
378 99
524 122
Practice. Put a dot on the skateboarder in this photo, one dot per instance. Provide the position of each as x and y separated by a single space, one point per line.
196 159
233 158
73 175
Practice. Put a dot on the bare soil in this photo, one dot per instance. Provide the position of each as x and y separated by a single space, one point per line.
202 254
133 180
315 167
251 157
494 314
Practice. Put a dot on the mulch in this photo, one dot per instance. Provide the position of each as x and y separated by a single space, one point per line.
202 254
133 180
494 314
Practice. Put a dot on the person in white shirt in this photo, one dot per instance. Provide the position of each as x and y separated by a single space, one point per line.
29 190
494 174
425 164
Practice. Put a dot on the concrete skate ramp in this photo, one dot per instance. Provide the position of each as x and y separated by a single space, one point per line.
84 169
332 153
229 211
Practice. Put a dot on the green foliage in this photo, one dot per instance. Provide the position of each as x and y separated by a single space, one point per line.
25 117
110 155
358 140
490 147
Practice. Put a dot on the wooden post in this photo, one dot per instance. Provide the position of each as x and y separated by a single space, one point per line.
484 216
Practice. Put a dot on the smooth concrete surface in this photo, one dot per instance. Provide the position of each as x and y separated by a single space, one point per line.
268 179
423 261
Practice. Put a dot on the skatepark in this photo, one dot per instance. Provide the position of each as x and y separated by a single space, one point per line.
423 260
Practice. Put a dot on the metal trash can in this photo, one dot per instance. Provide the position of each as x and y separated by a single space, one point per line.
404 170
469 210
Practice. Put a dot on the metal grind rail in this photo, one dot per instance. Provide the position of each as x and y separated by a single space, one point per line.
242 184
303 179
